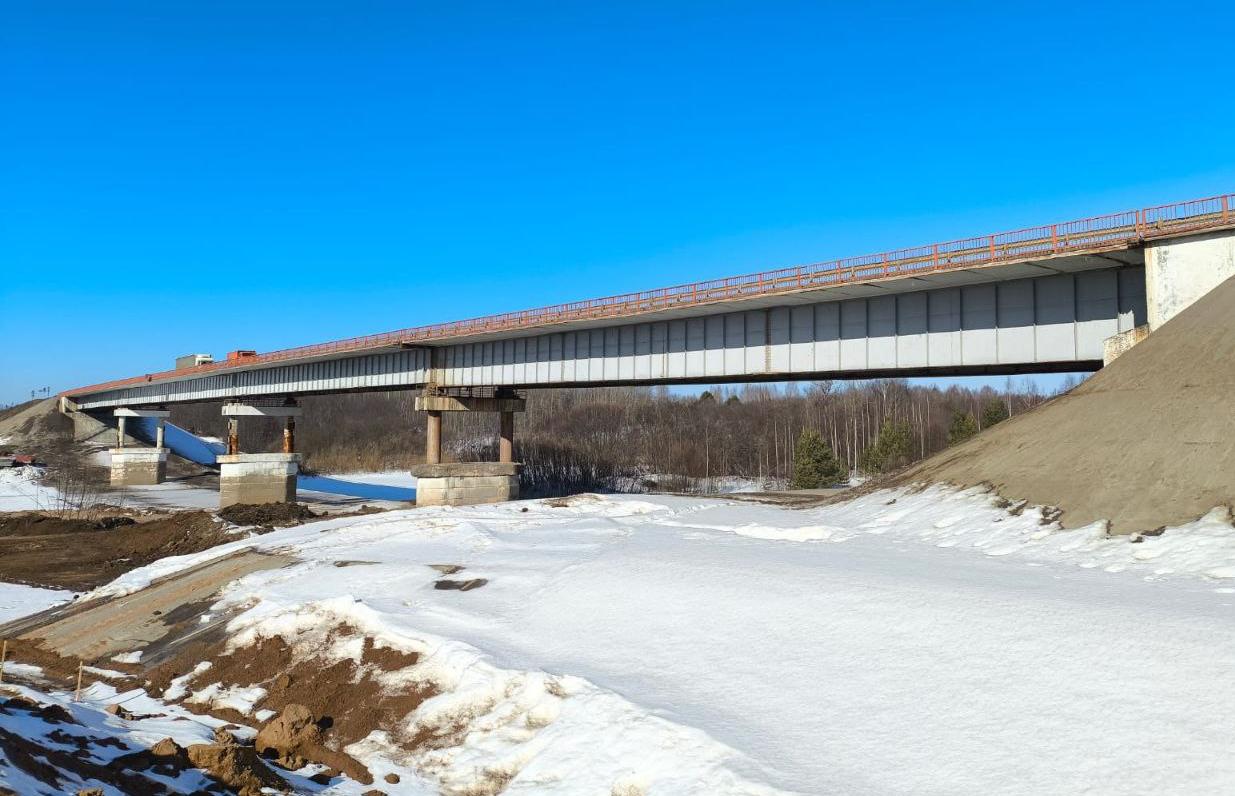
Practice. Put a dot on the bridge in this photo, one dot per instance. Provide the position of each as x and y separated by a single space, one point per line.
1058 297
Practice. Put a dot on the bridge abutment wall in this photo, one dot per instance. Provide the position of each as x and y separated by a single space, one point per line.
1181 270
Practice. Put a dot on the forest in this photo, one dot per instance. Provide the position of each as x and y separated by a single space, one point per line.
631 438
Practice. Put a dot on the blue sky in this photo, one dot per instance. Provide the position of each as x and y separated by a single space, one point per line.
186 177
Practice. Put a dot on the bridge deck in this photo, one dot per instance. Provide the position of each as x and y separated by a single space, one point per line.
1092 236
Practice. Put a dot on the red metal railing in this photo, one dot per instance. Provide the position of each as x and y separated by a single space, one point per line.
1100 233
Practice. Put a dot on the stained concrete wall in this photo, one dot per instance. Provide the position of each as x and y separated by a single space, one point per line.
257 478
1180 271
138 466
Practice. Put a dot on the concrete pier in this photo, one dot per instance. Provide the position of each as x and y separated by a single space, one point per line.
138 466
466 483
132 466
258 478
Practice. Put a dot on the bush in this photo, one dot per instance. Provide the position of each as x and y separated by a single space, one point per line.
891 449
814 464
963 427
993 411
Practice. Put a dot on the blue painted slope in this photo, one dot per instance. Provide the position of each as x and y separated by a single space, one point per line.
204 452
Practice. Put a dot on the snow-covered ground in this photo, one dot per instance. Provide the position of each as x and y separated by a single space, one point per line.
17 601
931 642
20 490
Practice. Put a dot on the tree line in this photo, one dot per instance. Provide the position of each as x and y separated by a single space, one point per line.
621 438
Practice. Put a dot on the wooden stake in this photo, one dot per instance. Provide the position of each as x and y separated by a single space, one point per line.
4 653
77 693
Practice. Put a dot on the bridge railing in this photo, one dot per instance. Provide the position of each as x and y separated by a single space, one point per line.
1096 234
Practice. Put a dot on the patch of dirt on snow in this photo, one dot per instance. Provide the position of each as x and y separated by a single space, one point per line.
229 767
268 515
323 705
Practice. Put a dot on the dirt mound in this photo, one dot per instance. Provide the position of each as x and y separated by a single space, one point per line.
294 739
38 523
324 705
44 549
1147 441
268 515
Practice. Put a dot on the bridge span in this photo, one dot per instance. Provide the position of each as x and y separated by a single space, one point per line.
1029 301
1059 297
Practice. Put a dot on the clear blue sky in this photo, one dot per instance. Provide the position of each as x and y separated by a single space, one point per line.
181 177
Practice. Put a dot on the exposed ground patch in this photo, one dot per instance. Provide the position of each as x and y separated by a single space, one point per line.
44 549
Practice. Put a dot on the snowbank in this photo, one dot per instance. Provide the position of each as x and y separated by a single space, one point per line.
660 645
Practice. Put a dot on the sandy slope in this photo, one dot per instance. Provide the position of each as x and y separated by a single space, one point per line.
1147 441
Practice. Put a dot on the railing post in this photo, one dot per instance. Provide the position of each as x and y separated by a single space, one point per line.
1054 237
934 258
1226 210
992 249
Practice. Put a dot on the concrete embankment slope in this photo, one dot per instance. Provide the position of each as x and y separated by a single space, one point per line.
1147 441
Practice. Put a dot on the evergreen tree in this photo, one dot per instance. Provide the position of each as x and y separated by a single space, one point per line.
962 428
814 464
733 400
706 397
891 449
993 411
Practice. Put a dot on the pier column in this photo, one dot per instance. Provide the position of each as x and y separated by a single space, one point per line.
506 438
433 438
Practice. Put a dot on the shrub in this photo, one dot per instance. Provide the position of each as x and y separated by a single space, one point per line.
963 427
814 464
891 449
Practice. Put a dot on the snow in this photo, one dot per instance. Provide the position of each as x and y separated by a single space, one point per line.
17 600
20 490
905 641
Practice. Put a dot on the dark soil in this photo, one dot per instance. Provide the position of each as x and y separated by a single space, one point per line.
42 549
268 515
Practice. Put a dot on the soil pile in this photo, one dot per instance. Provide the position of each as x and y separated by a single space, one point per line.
323 705
268 515
1147 441
46 549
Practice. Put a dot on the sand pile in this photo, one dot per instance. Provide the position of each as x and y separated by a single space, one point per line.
1147 441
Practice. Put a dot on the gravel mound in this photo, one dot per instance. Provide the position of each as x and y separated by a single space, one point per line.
1145 442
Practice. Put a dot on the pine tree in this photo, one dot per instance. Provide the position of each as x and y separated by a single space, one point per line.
993 411
814 464
891 449
963 427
